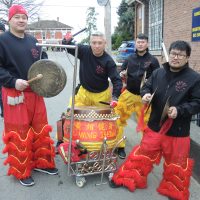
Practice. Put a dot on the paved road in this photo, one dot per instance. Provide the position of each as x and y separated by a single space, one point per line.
62 186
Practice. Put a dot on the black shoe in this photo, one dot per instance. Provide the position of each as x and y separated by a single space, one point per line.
49 171
121 153
113 185
27 181
57 145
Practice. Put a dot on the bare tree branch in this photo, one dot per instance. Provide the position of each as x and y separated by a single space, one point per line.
32 7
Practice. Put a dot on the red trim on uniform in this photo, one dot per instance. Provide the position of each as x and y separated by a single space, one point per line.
43 149
176 181
133 172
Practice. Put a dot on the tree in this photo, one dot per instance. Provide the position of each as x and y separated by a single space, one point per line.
32 7
125 27
91 20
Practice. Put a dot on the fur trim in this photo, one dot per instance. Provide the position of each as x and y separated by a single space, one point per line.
14 136
42 163
42 152
130 184
135 176
14 161
169 190
42 142
13 171
142 164
124 113
176 181
178 176
134 170
13 149
18 154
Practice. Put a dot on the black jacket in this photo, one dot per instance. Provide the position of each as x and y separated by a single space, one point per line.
95 71
183 90
137 65
16 57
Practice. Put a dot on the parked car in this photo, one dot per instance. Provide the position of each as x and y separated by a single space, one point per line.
125 49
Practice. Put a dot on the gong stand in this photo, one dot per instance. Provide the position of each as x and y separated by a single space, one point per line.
73 92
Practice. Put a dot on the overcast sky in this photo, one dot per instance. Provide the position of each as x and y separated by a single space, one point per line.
73 12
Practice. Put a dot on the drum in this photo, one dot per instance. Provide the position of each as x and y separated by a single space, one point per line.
92 125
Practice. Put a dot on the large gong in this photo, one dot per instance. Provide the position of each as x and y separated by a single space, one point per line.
53 78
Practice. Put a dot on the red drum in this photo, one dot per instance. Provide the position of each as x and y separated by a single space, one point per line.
92 125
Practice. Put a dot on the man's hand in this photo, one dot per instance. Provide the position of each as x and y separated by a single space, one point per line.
113 104
172 112
67 39
114 101
123 73
146 98
21 84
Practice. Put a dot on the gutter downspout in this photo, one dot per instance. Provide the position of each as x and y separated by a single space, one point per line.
143 6
163 44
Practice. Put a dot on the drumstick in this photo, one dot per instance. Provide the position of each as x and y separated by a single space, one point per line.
39 76
105 103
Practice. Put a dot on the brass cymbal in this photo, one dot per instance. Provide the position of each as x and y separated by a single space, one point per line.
149 104
165 110
143 79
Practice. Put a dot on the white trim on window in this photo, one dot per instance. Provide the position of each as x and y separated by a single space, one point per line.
155 24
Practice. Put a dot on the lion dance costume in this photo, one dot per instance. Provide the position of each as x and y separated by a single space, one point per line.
26 133
128 103
177 165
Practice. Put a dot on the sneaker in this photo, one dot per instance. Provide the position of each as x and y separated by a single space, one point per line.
57 145
113 185
50 171
121 153
27 181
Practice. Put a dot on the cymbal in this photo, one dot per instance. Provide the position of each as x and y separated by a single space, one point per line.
149 104
165 110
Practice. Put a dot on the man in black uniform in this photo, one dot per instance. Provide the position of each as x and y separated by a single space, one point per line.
96 67
178 86
26 129
130 101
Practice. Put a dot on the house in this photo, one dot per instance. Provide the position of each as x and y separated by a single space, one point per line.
48 31
165 21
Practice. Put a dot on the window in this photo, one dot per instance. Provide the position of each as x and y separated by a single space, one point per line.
140 12
155 24
52 34
44 35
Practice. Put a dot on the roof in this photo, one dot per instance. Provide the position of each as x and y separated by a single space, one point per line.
48 24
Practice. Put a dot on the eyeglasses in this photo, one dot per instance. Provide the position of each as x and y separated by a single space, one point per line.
179 56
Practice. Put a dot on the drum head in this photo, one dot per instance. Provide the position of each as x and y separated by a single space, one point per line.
53 81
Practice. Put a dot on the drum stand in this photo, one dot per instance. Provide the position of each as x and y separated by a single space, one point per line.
96 162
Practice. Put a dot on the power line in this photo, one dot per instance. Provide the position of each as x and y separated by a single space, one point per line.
73 6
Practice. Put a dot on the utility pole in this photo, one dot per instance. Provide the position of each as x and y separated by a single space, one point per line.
107 22
107 26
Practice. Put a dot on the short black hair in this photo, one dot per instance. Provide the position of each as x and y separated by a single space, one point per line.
181 46
2 27
142 36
